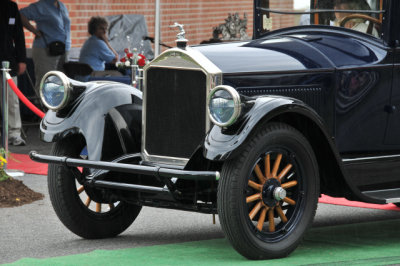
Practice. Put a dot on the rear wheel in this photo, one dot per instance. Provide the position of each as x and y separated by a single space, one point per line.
267 196
76 210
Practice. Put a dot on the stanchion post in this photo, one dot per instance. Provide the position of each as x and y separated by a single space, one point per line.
137 77
133 75
4 92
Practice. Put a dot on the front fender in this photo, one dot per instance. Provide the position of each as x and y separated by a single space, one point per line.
221 145
88 115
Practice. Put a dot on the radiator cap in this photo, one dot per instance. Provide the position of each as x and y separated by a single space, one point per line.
181 41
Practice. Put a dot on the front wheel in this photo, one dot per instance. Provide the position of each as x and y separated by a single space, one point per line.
267 196
74 208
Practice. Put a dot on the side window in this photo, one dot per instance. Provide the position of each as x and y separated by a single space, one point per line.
360 15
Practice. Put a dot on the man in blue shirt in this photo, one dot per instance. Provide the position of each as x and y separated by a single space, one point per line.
52 24
97 51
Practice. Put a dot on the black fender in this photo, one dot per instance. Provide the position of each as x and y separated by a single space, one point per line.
89 114
221 144
224 144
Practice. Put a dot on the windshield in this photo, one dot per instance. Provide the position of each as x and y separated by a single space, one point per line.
359 15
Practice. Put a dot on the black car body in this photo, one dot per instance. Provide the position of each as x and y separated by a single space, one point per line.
254 131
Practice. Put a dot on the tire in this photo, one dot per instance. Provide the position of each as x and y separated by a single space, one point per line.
397 204
269 226
73 207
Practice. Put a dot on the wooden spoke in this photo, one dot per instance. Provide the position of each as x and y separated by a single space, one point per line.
253 198
276 165
259 174
267 164
255 210
111 205
289 201
98 207
261 221
289 184
80 189
281 214
88 201
271 220
255 185
284 172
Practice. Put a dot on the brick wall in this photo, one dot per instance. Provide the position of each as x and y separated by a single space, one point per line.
282 21
199 17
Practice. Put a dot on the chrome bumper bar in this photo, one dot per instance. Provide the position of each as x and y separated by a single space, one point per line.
126 168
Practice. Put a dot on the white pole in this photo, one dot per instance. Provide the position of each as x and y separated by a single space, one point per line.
157 30
5 69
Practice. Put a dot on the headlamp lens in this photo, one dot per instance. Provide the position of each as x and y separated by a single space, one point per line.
53 91
224 105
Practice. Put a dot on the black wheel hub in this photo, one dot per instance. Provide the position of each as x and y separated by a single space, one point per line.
268 192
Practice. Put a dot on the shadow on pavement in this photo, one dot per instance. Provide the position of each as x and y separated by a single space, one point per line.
32 136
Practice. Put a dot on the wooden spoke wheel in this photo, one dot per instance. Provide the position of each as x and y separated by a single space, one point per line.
76 210
273 191
267 196
92 205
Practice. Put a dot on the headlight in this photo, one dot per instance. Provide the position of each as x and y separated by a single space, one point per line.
224 105
55 90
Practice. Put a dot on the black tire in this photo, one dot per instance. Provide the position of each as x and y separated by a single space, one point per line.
397 204
253 230
68 204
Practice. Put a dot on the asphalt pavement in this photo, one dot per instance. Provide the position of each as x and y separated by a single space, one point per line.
30 132
34 230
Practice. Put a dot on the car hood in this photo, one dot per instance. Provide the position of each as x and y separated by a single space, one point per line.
295 52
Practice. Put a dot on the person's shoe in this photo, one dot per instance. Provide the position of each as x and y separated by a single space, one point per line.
17 141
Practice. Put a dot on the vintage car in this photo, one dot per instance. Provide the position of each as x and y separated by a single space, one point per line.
254 131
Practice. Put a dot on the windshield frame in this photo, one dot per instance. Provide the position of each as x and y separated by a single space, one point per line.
384 13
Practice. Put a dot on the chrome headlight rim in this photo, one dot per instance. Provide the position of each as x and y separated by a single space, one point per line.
237 105
67 89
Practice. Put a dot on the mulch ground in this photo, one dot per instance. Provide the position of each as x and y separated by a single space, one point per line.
14 193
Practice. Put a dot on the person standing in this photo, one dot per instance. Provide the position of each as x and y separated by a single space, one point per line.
96 50
52 24
12 49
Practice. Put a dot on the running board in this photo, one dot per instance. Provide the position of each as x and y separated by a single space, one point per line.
387 195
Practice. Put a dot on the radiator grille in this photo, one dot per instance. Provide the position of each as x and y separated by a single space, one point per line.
175 114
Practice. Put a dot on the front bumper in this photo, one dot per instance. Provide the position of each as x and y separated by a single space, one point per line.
126 168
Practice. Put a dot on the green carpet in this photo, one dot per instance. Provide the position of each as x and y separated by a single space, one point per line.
376 243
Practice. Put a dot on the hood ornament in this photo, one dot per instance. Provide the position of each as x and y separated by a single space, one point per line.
181 41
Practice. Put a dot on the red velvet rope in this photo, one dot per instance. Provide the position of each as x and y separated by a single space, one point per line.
22 97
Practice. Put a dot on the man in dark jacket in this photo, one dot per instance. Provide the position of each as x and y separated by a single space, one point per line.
12 49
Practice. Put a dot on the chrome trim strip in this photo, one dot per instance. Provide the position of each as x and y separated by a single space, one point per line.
388 200
163 159
194 60
373 158
393 200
